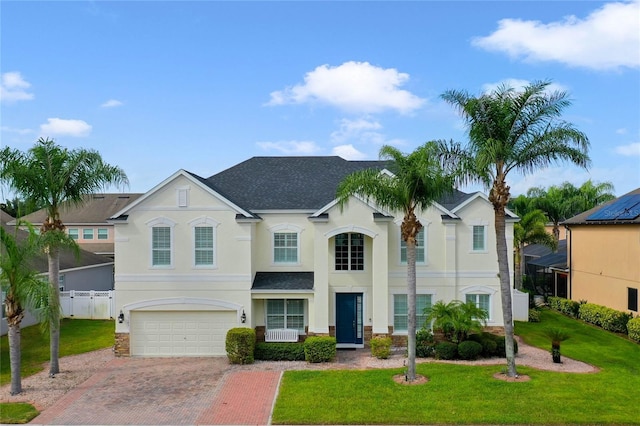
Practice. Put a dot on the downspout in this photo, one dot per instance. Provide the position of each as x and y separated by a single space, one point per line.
569 264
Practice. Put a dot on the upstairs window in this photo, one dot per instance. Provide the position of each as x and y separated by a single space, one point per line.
420 248
103 234
161 246
203 240
285 247
479 242
349 252
87 234
73 233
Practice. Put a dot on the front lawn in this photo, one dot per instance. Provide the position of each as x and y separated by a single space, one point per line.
459 394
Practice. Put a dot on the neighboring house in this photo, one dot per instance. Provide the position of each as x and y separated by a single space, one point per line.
87 224
89 271
604 254
264 244
547 271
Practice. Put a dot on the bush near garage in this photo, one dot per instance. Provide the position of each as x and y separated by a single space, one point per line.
319 349
240 345
285 351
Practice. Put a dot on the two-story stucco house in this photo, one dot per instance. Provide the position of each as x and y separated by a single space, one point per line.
263 244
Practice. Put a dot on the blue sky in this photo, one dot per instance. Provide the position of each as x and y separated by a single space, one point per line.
158 86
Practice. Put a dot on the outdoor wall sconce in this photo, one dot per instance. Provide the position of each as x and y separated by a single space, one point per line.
121 317
243 317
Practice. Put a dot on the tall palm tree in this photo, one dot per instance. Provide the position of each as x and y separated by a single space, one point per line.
51 175
23 289
508 131
592 194
417 181
530 230
558 202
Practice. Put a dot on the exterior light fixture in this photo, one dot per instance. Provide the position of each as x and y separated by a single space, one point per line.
243 317
121 317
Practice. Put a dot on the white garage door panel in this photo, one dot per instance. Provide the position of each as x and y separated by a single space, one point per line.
185 333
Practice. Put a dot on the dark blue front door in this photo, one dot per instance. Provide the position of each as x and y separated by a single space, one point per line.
349 318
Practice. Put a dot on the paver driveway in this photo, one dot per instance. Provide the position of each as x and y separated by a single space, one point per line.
161 391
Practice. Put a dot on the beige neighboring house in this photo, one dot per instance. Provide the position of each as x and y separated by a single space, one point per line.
604 254
264 245
87 224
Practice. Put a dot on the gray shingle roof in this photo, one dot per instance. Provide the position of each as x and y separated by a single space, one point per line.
285 183
283 281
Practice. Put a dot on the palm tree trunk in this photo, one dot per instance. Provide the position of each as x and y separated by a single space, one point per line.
505 289
14 355
54 322
411 301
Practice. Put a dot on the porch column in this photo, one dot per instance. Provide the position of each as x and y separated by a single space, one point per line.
319 312
380 285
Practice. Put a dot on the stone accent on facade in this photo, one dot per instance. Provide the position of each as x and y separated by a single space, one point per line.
121 347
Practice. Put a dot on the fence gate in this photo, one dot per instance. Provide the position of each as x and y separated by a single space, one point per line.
90 304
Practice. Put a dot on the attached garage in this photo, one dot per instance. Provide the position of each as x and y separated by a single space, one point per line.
180 333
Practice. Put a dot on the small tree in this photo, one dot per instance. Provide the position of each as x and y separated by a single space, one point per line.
557 336
457 319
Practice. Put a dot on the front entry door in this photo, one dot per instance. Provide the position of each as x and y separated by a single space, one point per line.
349 330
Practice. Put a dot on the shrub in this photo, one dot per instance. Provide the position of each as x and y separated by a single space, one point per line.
633 327
425 343
534 315
501 349
489 347
319 349
469 349
380 347
285 351
602 316
565 306
446 350
240 344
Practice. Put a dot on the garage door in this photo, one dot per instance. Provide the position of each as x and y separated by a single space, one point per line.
180 333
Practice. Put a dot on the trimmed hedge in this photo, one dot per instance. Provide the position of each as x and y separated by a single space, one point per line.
380 347
607 318
240 344
446 350
633 327
566 306
285 351
320 349
469 350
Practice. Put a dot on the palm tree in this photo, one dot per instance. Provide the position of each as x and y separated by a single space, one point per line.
456 319
22 287
558 203
508 131
417 181
530 230
50 175
593 194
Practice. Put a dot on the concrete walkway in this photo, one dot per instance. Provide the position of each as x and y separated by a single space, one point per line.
168 391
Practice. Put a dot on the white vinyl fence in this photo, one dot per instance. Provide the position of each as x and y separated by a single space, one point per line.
88 304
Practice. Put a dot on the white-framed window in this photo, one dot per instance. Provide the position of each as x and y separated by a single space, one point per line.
73 233
420 248
401 311
204 241
161 242
103 234
285 247
481 300
285 313
349 252
87 234
478 236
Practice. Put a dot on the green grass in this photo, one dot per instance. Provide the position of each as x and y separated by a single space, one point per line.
77 336
17 413
459 394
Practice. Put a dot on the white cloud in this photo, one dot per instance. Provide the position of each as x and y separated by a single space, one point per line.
519 84
59 126
348 152
608 38
350 129
291 147
14 88
353 86
111 103
631 150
